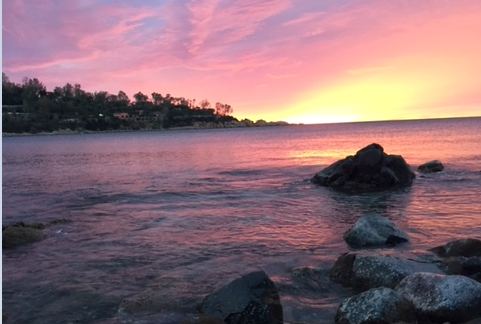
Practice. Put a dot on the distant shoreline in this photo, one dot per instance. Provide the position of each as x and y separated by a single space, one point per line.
81 132
223 126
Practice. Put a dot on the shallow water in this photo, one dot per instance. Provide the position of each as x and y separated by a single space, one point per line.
170 216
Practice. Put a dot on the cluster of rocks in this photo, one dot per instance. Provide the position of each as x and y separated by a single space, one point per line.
388 289
393 290
20 233
371 169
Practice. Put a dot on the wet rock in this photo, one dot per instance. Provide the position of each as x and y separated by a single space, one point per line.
462 257
464 247
251 299
364 272
431 166
441 298
469 267
16 235
376 306
370 168
374 230
341 271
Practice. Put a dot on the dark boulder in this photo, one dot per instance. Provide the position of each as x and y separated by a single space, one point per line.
251 299
464 247
367 271
376 306
370 168
441 298
469 267
374 230
431 166
19 234
462 257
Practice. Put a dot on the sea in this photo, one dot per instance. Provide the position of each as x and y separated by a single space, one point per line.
161 219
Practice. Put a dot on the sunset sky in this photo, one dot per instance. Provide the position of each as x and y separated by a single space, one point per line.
294 60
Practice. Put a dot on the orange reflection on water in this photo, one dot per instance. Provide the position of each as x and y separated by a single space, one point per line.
320 156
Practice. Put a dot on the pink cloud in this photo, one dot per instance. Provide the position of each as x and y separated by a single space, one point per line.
279 51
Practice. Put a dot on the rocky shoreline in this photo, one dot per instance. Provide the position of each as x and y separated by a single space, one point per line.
443 286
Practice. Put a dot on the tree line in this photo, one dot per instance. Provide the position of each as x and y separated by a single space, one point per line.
29 107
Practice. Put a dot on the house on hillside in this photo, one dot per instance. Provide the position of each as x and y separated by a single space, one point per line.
122 116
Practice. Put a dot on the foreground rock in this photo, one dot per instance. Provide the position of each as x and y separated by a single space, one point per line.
442 298
462 257
370 168
376 306
364 272
374 230
251 299
431 167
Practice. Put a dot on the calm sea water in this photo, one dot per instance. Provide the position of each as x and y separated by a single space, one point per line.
164 218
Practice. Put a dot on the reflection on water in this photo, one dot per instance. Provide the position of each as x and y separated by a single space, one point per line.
177 214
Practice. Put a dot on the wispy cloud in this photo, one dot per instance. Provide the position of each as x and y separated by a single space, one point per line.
233 47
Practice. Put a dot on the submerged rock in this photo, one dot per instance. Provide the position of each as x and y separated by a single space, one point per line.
441 298
370 168
251 299
376 306
431 166
364 272
20 234
374 230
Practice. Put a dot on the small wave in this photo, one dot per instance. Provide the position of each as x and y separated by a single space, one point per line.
241 172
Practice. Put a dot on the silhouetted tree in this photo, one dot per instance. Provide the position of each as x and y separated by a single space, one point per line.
204 104
140 98
157 98
11 92
123 99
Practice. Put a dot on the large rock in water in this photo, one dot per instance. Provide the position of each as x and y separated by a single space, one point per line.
370 168
440 298
374 230
376 306
251 299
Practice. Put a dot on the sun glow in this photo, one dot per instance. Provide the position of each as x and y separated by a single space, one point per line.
357 101
371 94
